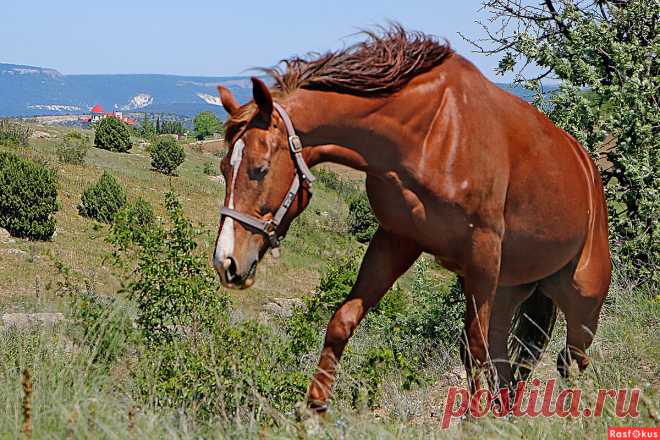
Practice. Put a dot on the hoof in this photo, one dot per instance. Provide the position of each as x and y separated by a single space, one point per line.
317 407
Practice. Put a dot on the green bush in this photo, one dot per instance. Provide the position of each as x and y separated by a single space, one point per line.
210 169
103 199
192 355
14 133
361 219
206 124
167 155
28 198
142 212
113 135
73 148
436 311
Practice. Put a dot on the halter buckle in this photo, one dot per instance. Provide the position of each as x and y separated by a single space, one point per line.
270 229
295 144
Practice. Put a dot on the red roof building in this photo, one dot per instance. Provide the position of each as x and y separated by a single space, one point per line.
97 113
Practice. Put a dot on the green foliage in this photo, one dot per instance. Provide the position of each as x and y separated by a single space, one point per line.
113 135
28 197
170 127
192 355
14 133
147 129
73 148
140 213
210 169
437 310
346 189
167 155
174 289
610 50
206 124
103 199
361 219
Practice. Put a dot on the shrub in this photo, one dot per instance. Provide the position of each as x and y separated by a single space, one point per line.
139 215
345 188
167 155
28 198
74 148
206 124
193 355
14 133
361 219
142 212
436 311
210 169
113 135
103 199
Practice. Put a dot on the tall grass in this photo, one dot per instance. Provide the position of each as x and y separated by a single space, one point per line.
14 133
75 395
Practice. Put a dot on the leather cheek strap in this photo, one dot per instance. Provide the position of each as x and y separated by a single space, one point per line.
269 227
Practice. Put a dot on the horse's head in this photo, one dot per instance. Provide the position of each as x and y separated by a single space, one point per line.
266 185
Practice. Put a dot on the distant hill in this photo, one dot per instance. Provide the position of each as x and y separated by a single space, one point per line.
33 91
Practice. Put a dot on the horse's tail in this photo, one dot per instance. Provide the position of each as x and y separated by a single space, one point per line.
531 330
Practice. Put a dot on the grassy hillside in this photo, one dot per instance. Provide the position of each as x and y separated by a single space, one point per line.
79 391
80 242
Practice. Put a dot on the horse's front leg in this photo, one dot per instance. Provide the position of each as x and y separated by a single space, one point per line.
387 257
479 286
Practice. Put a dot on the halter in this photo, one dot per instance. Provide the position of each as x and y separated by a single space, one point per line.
269 227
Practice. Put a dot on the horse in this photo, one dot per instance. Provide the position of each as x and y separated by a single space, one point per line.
455 167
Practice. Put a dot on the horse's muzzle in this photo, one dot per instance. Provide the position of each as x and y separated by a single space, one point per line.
229 277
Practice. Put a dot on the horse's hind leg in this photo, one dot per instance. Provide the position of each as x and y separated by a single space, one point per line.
581 306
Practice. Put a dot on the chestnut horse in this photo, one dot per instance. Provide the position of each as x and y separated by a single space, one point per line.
455 167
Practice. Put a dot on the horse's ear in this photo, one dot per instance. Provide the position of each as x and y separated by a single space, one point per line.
262 97
228 101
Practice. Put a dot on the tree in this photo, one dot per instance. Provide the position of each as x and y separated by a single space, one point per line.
205 124
112 134
167 155
147 130
604 55
103 199
28 197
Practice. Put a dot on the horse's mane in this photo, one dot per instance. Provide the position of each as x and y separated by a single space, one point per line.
380 65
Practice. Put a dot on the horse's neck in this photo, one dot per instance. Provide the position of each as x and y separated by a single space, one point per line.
368 134
340 128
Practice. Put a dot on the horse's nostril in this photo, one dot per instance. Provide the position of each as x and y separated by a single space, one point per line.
230 268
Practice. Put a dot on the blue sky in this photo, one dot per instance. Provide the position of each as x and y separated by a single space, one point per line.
207 37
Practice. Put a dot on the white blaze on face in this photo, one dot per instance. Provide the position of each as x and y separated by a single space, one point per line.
225 245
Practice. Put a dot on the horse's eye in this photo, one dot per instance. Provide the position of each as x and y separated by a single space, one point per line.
258 172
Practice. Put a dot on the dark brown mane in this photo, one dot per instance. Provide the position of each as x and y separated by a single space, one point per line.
380 65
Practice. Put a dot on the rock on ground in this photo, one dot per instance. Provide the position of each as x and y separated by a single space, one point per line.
5 236
26 320
282 307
